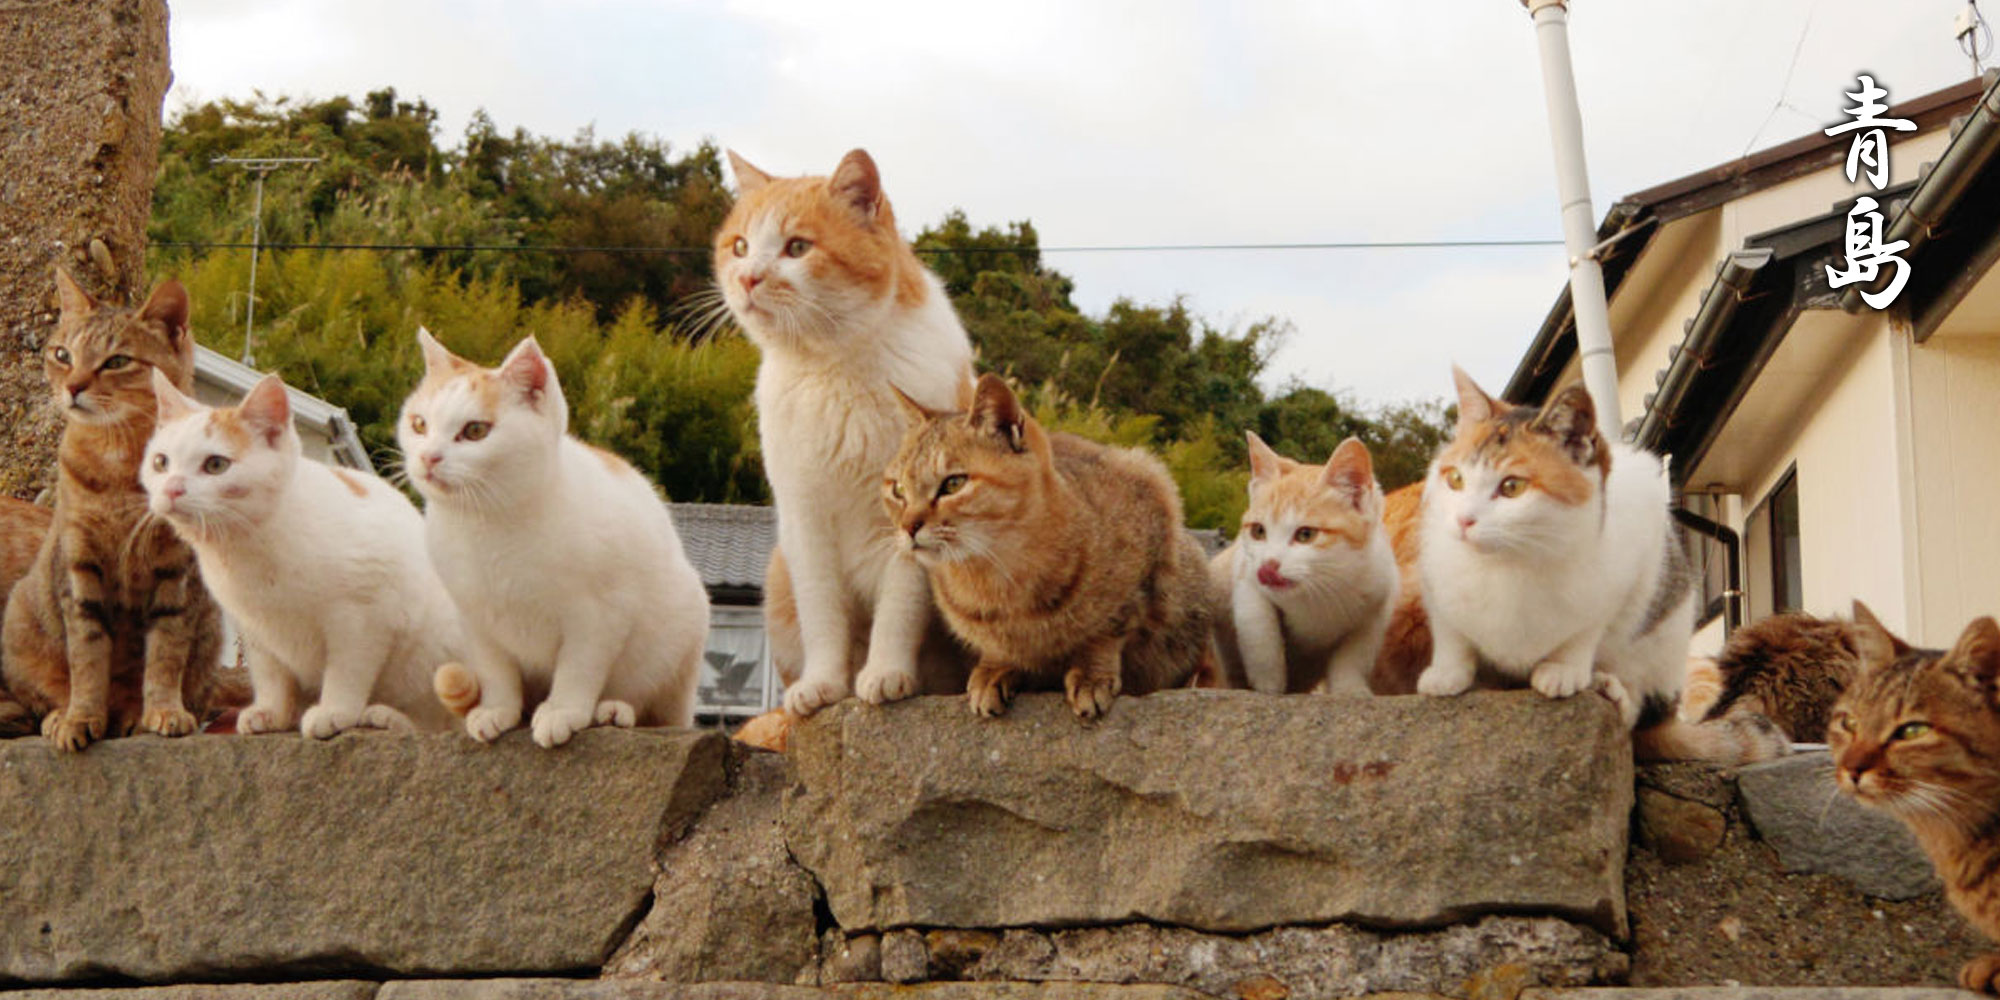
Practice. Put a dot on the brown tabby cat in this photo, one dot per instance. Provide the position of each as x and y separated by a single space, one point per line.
111 631
1917 735
1053 557
22 527
1789 668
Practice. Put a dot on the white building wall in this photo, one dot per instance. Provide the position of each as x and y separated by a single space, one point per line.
1954 397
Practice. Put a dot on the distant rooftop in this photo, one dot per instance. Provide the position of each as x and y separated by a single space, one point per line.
728 544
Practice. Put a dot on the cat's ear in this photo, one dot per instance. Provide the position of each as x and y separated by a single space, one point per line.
527 369
171 402
917 412
1351 473
748 177
1571 419
856 184
168 306
996 411
1265 464
75 301
1976 657
1873 645
266 409
1474 405
436 357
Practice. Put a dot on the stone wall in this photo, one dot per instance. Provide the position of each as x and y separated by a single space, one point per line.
80 101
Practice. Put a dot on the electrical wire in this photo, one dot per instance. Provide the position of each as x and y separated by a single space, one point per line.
682 251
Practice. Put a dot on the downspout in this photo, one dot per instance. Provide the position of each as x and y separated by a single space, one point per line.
1586 276
1704 335
1938 193
1732 594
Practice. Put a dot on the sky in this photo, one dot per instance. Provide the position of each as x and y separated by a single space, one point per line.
1165 122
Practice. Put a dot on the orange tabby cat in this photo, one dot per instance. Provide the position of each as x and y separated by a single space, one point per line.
1917 735
22 527
111 631
1055 558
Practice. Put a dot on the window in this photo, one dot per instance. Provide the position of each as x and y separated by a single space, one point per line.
736 677
1710 556
1771 541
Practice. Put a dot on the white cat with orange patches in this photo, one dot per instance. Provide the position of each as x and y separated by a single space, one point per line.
844 314
564 563
322 570
1311 580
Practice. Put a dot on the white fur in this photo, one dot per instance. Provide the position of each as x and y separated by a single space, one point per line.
566 568
829 424
331 593
1336 612
1553 592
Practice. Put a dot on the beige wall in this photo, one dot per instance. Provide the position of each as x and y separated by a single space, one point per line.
1954 391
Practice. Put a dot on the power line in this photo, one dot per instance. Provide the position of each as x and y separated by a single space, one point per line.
1108 248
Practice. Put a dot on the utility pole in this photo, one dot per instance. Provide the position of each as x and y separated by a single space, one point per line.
260 166
1579 221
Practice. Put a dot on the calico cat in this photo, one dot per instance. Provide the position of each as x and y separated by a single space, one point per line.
1058 560
570 581
323 570
23 525
1549 555
1917 735
111 631
1309 584
813 270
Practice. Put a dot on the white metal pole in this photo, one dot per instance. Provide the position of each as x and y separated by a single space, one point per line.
1579 221
256 243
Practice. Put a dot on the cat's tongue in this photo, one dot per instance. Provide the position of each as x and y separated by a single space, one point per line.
1269 576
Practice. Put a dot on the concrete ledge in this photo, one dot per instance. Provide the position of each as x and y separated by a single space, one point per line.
222 857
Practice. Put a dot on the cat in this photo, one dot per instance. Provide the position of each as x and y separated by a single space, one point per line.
1406 645
1056 559
1789 668
1917 735
322 570
111 631
840 309
1309 584
1549 555
569 577
23 525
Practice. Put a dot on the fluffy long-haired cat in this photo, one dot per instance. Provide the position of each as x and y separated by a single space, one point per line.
1917 734
1789 668
1058 560
1309 584
323 570
111 631
813 270
569 577
1549 555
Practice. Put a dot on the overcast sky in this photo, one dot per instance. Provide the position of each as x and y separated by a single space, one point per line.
1158 122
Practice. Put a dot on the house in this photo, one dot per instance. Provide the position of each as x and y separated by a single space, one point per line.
325 432
1823 450
729 545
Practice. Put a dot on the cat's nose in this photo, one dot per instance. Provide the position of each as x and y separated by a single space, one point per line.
1465 522
914 526
431 459
75 392
750 280
176 488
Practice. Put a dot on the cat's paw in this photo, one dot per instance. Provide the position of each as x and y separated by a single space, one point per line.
1614 692
1982 974
168 720
1558 679
989 689
878 684
323 722
261 719
69 730
808 695
384 717
1443 680
1090 696
554 724
486 724
612 712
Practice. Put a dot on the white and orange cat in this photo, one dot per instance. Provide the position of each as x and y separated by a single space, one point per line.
570 580
322 570
813 270
1310 582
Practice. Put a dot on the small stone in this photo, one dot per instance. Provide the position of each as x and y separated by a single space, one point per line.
904 957
856 959
1261 988
1731 928
952 952
1677 830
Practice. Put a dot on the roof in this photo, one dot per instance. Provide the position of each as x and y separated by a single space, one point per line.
308 410
729 544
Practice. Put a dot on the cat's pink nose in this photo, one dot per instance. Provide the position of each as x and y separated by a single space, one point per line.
431 459
914 526
176 489
750 281
1465 523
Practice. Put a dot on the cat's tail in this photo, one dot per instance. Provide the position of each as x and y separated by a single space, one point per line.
15 719
457 687
1736 738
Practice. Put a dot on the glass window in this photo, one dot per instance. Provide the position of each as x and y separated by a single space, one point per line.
1787 576
735 670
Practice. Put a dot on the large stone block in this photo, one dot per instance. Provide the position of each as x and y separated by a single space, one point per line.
1801 813
226 856
1218 811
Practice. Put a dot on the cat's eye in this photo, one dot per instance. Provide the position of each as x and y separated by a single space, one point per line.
952 484
896 490
213 465
61 354
798 246
115 362
740 248
474 430
1844 722
1911 730
418 426
160 463
1304 536
1257 531
1454 479
1512 486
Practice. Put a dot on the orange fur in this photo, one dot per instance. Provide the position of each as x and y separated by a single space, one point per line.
23 526
844 216
353 485
1406 649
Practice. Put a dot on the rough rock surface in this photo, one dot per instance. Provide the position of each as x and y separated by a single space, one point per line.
1754 993
327 990
569 989
1798 810
80 113
216 857
1221 811
729 903
1297 962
